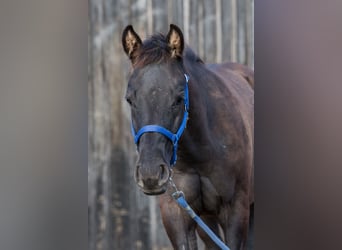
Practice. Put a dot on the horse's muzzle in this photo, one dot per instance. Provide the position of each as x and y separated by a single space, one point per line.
152 180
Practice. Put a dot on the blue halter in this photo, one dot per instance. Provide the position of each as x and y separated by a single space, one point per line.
174 138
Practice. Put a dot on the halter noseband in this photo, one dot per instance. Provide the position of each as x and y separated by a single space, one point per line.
174 138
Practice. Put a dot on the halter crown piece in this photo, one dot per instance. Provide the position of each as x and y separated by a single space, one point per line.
174 138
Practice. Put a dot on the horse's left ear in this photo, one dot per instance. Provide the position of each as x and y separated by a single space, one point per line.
175 40
130 41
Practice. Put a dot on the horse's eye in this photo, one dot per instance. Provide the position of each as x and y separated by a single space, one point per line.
129 100
178 102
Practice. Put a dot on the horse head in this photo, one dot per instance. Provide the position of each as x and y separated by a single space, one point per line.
157 93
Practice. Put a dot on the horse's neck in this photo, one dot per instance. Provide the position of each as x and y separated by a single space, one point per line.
197 141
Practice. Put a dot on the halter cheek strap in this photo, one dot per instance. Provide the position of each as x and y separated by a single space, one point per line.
174 138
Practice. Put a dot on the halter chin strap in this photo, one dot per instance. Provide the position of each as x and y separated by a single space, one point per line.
174 138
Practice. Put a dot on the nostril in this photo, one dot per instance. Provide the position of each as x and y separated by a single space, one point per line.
164 174
162 171
137 171
137 175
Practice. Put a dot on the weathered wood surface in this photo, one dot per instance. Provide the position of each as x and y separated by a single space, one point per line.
120 216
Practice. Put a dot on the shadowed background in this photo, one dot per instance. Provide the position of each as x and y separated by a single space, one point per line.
120 215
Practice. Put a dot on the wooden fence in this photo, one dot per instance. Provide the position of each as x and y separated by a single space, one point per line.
119 215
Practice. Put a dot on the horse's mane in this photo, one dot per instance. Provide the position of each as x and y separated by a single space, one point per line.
155 50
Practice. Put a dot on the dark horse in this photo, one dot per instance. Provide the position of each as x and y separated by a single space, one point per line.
215 152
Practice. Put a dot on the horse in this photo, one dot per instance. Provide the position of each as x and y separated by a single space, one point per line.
169 86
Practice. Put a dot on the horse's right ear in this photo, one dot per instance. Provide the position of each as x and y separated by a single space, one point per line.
175 41
130 41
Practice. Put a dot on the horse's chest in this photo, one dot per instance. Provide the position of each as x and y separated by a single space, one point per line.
211 198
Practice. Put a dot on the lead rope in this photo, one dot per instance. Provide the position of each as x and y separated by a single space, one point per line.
179 197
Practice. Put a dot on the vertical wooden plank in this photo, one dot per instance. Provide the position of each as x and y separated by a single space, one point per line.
250 33
226 30
193 26
201 29
177 14
114 69
98 139
159 16
209 31
170 7
233 33
149 17
218 32
241 31
139 18
107 12
186 19
92 174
